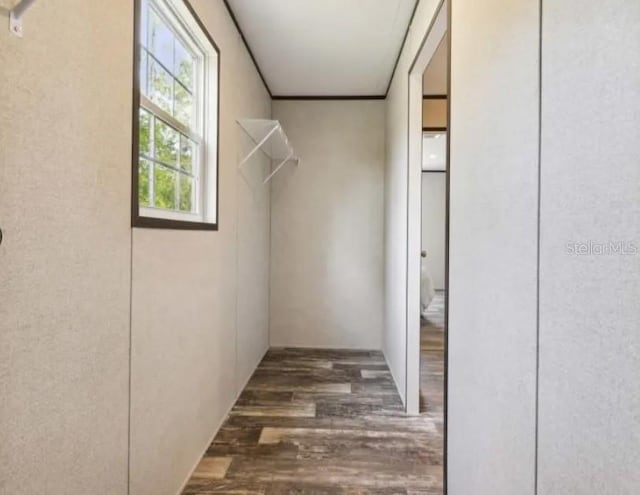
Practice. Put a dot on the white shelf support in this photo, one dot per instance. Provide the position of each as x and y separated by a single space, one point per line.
15 16
257 147
280 165
268 137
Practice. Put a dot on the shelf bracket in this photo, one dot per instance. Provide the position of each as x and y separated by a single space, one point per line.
15 16
257 147
280 150
280 165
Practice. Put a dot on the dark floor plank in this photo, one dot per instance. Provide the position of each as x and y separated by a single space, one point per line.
324 422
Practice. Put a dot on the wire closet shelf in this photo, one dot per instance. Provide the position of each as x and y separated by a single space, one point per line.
268 137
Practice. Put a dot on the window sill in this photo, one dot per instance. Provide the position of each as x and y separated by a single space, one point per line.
165 223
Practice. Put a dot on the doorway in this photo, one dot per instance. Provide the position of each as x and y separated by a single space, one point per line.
428 225
432 279
433 232
422 126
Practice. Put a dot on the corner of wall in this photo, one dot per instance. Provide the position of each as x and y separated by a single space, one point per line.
401 390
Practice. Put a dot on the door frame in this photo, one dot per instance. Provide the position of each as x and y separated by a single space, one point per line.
432 39
439 27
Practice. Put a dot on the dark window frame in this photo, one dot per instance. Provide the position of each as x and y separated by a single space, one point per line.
165 223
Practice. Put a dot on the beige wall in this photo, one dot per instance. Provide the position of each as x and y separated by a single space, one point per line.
434 113
327 230
589 382
65 165
200 299
436 75
493 247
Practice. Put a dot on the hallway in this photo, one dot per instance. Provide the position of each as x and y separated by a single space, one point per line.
322 421
223 222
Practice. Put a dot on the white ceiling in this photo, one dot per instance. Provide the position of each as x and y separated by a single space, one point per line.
324 47
435 76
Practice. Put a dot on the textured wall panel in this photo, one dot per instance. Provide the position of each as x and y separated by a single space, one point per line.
327 238
65 162
589 306
493 246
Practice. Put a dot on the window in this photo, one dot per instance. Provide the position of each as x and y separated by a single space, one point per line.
175 162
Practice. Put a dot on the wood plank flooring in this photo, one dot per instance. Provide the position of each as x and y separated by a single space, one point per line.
324 422
432 358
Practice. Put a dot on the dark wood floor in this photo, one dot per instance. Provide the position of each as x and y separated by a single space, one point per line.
325 422
432 358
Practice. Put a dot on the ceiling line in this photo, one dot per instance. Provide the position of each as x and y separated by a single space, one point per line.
404 40
328 97
246 44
